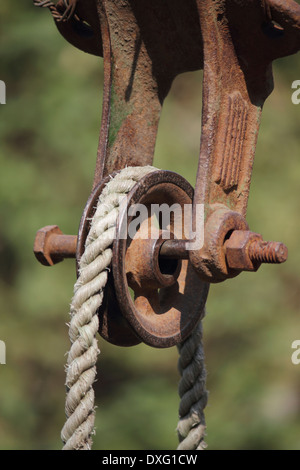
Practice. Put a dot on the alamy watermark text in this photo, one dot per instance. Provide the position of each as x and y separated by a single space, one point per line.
296 354
2 352
2 92
296 93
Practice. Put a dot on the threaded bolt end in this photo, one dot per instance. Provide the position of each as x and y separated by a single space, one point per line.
267 252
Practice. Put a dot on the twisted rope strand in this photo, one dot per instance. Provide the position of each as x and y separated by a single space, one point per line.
191 426
88 295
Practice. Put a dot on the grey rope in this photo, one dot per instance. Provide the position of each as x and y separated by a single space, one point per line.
191 426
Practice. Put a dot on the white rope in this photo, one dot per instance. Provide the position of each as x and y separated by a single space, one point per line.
88 295
83 354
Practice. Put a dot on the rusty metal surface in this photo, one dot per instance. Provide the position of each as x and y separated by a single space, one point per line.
210 261
160 314
51 246
145 270
246 251
237 80
174 249
145 45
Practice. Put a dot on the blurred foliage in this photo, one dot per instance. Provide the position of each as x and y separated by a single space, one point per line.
49 134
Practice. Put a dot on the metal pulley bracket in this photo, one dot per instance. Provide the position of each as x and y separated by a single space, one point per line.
241 38
145 45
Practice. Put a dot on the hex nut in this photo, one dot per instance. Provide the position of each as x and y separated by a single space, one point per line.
236 250
42 245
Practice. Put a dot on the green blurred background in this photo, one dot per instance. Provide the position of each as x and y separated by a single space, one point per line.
49 134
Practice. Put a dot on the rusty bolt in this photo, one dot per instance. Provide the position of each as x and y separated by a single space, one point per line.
51 246
246 251
268 252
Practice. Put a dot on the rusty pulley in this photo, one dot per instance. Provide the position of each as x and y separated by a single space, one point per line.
145 45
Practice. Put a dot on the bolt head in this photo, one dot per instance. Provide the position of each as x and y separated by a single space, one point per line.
236 250
42 245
